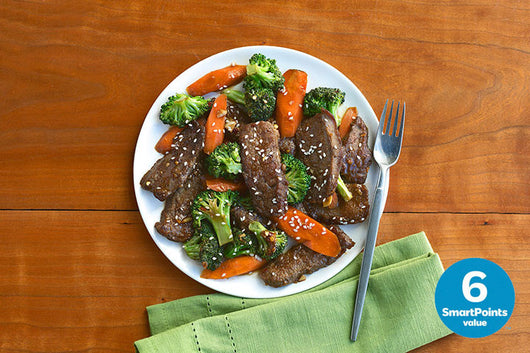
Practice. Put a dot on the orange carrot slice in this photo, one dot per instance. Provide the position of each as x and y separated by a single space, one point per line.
217 80
234 267
164 144
220 184
215 124
289 112
346 121
306 230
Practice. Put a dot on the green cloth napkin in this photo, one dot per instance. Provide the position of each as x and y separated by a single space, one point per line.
399 312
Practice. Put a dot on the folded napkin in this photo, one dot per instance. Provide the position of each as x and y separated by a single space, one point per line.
399 312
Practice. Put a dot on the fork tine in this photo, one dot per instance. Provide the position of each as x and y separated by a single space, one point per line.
382 120
395 132
387 131
400 134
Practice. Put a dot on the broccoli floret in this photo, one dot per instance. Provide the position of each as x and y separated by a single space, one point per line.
324 97
246 202
204 247
264 72
243 244
214 207
271 243
235 95
211 254
181 109
297 178
260 103
192 246
224 161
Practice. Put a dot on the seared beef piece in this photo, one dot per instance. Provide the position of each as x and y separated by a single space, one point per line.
171 171
287 145
320 149
262 168
300 260
344 239
235 118
241 218
175 219
356 154
353 211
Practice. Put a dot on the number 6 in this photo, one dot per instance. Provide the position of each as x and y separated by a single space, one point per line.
466 287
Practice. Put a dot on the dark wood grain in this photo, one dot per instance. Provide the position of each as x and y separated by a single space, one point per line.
79 80
77 266
80 280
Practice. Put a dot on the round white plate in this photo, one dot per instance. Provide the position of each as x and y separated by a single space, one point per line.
319 74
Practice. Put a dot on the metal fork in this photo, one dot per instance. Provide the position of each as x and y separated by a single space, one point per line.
386 153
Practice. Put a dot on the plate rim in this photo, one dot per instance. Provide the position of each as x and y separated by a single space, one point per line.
219 285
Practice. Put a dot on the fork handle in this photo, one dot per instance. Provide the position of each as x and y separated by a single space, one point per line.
366 264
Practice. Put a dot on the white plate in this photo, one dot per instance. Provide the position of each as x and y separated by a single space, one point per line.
319 74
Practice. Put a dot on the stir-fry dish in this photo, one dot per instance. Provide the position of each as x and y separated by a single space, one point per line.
260 176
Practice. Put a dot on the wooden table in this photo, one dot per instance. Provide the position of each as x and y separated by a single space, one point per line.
77 265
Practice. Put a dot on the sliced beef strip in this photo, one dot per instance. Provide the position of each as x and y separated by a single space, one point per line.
353 211
171 171
262 168
320 149
300 260
241 218
287 145
235 118
357 157
175 219
344 239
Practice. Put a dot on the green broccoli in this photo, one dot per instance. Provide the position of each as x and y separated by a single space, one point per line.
181 109
243 244
264 72
260 103
211 254
297 178
235 95
214 207
224 161
204 247
271 243
324 97
192 246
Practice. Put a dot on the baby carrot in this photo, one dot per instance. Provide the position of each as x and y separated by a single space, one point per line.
219 184
346 121
306 230
164 144
217 80
289 102
215 125
234 267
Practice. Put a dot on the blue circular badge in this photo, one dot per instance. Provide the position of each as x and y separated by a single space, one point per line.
474 297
